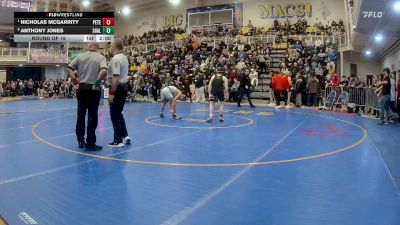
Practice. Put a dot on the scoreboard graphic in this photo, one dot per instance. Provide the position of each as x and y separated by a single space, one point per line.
63 26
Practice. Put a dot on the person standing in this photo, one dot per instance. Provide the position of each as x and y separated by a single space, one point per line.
298 89
312 91
118 69
156 87
261 62
199 87
385 113
398 94
280 85
244 88
218 91
393 91
87 69
187 81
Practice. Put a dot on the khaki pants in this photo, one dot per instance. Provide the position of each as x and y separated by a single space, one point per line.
200 95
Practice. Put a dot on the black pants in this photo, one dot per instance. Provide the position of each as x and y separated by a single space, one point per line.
233 96
393 106
279 95
154 92
188 93
88 101
243 92
262 66
398 108
117 118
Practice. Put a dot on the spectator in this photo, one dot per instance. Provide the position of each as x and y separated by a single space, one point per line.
386 113
244 88
199 88
393 91
398 93
298 89
280 85
336 80
312 91
187 81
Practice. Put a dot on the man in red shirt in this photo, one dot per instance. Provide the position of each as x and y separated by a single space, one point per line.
280 85
336 80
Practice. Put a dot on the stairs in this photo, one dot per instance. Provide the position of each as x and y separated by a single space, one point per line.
262 91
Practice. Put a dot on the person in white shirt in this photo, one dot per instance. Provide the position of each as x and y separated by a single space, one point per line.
253 74
118 69
240 65
253 78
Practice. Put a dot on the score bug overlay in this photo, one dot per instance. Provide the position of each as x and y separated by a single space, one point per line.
66 27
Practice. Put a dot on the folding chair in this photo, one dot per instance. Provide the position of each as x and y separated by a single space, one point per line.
330 100
342 100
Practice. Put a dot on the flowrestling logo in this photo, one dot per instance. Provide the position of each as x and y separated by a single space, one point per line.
26 218
372 14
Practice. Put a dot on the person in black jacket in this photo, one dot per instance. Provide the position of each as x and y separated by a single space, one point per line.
187 81
199 87
156 86
244 88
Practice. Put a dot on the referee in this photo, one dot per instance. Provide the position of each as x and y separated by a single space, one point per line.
87 70
118 76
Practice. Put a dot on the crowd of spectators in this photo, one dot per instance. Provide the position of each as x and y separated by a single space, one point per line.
190 67
304 72
42 89
197 58
48 54
191 64
300 27
163 35
281 29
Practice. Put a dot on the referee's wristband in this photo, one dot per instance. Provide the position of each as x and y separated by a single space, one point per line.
97 83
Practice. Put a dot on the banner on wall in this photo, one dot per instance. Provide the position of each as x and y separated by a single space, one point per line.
289 10
238 14
172 20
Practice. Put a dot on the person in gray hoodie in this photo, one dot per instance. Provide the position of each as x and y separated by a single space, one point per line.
312 91
298 89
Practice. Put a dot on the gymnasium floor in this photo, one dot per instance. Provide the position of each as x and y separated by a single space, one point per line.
260 167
